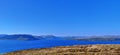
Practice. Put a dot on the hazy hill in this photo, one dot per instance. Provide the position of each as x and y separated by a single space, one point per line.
97 38
24 37
80 38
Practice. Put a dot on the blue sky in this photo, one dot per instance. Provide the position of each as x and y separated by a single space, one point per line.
60 17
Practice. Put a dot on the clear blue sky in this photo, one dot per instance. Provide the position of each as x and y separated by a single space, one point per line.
60 17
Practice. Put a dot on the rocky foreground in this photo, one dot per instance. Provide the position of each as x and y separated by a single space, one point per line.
73 50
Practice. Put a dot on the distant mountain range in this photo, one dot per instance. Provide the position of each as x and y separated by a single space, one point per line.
24 37
80 38
98 38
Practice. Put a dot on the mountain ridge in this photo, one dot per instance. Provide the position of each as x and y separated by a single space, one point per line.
35 37
24 37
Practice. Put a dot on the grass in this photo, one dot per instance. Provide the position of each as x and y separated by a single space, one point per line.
73 50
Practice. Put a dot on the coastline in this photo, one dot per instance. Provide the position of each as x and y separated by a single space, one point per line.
98 49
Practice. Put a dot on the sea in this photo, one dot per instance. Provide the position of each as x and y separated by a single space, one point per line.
7 46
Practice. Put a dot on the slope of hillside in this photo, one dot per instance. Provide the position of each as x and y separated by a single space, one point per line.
24 37
81 38
96 38
73 50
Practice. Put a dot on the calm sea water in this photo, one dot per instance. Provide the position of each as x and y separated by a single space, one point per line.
14 45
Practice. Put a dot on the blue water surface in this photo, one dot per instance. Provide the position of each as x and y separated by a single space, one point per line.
15 45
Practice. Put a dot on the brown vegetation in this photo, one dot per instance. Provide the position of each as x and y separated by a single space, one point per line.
73 50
